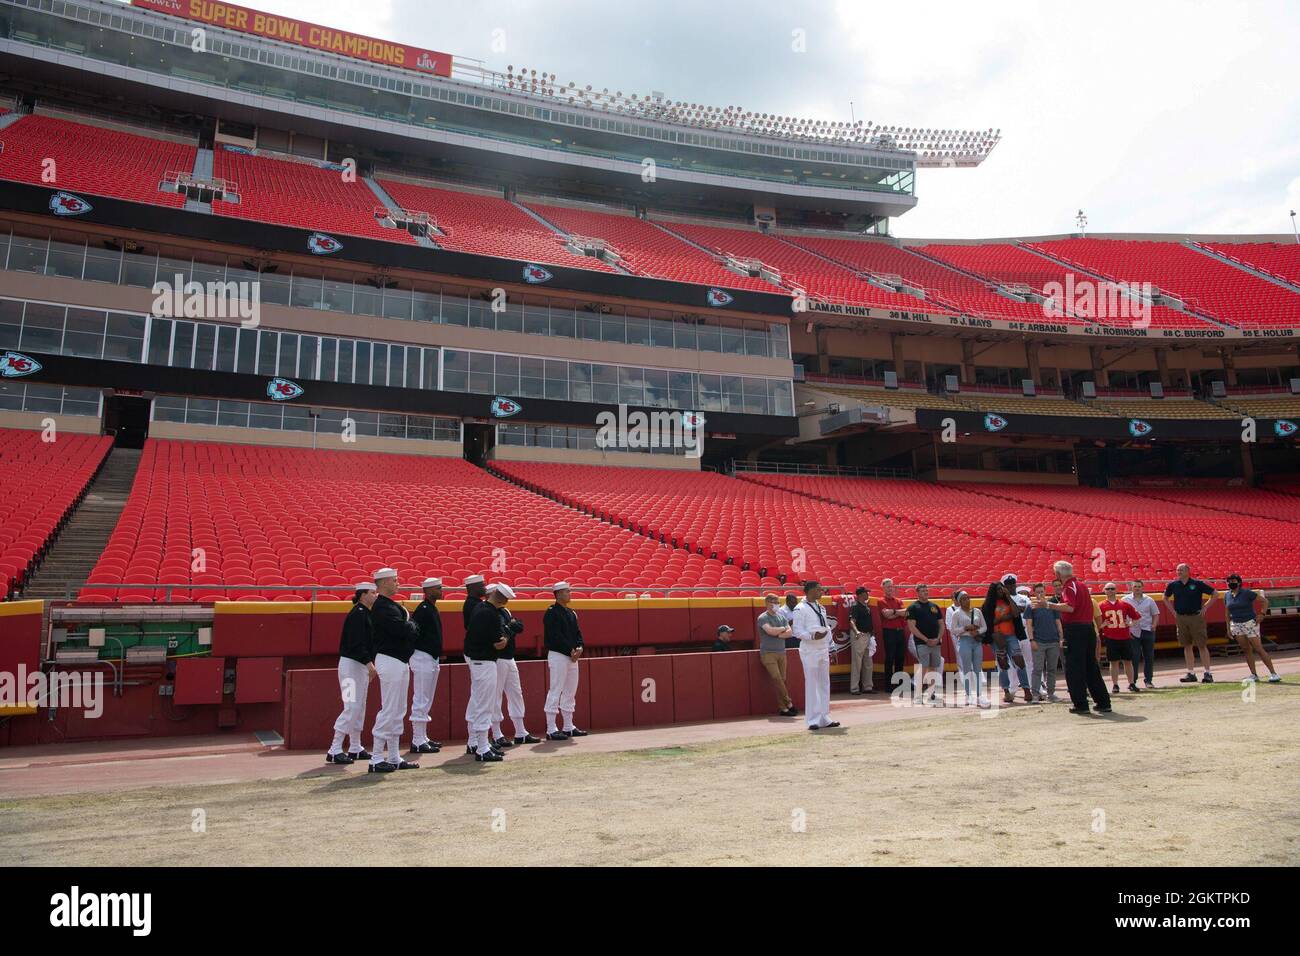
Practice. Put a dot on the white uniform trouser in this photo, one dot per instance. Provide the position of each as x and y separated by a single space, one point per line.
508 684
394 684
560 697
478 713
354 683
424 681
816 661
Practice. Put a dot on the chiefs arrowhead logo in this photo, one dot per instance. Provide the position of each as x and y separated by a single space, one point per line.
692 420
995 423
66 204
1138 428
16 365
536 274
504 407
717 297
282 390
323 245
1283 428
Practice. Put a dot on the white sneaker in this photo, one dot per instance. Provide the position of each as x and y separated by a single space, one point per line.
1275 678
1252 679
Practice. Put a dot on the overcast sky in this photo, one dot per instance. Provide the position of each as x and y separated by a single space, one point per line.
1151 115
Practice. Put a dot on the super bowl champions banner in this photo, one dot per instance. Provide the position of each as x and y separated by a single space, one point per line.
312 35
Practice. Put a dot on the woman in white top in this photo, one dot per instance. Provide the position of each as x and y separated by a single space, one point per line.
966 624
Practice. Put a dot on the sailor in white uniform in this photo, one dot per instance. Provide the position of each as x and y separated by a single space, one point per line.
425 665
395 637
356 669
509 686
484 639
813 630
563 641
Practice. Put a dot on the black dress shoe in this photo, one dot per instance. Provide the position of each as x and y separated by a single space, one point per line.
1104 710
338 758
527 739
407 765
428 747
360 755
575 732
381 767
471 749
502 742
1079 710
833 723
491 756
557 735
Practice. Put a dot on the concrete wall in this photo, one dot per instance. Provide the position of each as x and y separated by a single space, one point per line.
289 439
35 421
571 456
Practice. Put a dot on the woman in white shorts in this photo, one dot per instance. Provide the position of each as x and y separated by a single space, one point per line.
1245 612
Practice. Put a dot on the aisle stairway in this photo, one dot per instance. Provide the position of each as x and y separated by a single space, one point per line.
83 538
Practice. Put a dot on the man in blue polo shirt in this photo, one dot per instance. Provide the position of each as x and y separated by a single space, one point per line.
1184 598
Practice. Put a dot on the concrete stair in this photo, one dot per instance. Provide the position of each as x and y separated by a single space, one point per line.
79 545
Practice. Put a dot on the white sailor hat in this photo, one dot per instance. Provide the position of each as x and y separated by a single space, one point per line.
364 586
1024 589
473 579
560 586
431 583
503 589
385 573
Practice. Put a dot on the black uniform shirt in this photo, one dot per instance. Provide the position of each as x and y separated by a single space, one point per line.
485 629
560 630
395 635
508 653
467 612
358 639
429 622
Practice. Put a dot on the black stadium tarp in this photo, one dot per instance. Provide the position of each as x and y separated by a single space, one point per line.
266 237
1108 429
127 376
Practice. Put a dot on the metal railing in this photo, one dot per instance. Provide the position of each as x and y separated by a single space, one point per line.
795 468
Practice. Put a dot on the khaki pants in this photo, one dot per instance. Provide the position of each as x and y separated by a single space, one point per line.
860 669
775 665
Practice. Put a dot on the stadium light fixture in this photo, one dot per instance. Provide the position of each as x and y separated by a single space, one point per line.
1081 221
1293 228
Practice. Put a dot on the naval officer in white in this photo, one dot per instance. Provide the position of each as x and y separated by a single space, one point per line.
813 632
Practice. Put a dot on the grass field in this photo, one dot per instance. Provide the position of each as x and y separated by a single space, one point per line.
1190 776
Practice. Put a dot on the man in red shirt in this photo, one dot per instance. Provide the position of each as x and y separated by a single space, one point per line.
1115 616
1082 653
893 628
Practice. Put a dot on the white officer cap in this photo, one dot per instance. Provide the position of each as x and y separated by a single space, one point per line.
560 586
385 573
364 586
474 579
1009 576
503 589
431 583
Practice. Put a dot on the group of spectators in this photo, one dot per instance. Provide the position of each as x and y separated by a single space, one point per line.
1034 632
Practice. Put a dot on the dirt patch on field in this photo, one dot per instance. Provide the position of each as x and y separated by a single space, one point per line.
1191 776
